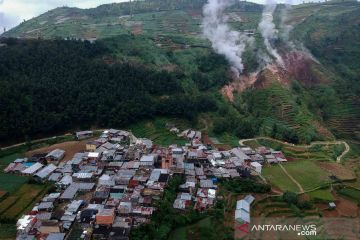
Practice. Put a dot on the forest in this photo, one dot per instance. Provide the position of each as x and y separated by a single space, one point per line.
52 86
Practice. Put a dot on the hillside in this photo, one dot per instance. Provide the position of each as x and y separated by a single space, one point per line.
314 99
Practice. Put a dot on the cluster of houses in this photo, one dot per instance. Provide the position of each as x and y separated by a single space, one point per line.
112 186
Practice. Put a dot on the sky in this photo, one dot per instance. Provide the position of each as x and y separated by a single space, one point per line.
13 12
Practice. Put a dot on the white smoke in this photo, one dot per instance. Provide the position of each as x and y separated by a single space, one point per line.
268 30
225 41
285 26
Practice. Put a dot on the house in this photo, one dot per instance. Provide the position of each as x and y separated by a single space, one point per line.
106 180
55 155
207 183
237 152
73 207
146 142
256 167
71 191
38 157
147 161
45 206
105 217
65 181
181 204
83 134
49 226
25 223
32 169
91 146
242 212
45 172
56 236
55 177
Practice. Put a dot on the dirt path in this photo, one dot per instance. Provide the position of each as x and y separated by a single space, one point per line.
338 159
292 179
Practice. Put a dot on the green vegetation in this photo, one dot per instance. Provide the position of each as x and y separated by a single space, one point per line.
16 203
321 195
351 193
287 205
156 131
244 186
307 173
277 177
7 231
155 57
318 152
104 95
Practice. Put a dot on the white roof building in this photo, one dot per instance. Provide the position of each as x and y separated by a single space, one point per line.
32 169
46 171
256 166
25 223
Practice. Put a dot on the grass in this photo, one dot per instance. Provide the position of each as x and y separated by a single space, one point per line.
10 183
17 204
182 233
156 131
26 195
229 139
307 173
317 152
322 194
350 193
7 231
277 177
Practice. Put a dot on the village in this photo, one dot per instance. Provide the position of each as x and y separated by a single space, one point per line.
112 186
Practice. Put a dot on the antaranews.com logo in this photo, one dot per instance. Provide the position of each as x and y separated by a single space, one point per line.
298 228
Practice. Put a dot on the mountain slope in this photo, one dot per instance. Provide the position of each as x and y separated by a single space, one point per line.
312 99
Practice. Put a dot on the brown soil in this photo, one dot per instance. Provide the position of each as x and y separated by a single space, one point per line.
344 208
338 170
70 149
323 131
300 65
238 85
137 29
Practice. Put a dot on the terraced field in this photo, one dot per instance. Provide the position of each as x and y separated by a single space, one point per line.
317 152
157 132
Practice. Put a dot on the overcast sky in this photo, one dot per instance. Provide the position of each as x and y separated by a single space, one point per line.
12 12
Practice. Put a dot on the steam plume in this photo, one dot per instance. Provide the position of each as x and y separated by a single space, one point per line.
225 41
268 31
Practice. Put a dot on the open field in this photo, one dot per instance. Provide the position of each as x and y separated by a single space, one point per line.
337 170
157 132
276 176
187 232
307 173
7 231
14 205
322 195
9 182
